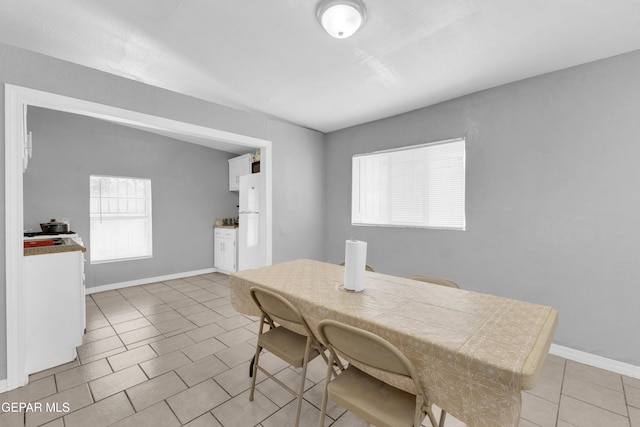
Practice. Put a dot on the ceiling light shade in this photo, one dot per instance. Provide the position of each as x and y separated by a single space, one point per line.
341 18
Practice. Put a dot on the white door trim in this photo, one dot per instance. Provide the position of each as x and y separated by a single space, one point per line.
16 98
13 205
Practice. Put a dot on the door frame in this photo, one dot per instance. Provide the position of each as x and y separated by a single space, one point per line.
17 98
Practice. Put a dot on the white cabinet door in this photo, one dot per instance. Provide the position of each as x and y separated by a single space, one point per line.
218 249
230 250
238 166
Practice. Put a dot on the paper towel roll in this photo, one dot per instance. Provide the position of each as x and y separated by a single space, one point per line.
355 259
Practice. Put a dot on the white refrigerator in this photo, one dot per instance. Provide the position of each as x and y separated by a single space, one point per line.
252 248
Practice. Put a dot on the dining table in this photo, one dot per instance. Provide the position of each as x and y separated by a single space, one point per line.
474 352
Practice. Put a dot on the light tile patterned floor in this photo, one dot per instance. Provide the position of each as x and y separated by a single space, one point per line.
177 353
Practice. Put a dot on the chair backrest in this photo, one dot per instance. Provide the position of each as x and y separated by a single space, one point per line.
366 348
434 280
276 307
367 267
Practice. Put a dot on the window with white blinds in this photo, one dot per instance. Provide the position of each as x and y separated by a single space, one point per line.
419 186
120 218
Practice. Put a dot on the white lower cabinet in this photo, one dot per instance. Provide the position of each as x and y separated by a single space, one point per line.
54 309
225 252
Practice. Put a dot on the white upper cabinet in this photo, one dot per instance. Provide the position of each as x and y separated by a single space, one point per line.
238 166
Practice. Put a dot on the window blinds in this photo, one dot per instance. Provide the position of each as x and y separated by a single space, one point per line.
419 186
120 218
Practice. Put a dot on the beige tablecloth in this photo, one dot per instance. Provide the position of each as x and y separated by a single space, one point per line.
474 352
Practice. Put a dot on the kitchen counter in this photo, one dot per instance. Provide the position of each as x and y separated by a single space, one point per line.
225 226
69 245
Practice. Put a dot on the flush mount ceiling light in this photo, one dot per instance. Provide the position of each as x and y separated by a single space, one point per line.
341 18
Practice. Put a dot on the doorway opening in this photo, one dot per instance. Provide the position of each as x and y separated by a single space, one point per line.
17 99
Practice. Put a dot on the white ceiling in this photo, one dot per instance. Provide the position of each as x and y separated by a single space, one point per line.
274 58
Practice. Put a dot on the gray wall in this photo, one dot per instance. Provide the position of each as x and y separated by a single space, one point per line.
552 209
28 69
299 205
189 183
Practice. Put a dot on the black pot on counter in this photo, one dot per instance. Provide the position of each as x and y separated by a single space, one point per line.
54 226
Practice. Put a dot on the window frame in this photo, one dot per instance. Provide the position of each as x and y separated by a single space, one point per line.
359 219
106 216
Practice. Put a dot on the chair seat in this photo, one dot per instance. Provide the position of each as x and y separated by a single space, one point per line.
287 345
372 399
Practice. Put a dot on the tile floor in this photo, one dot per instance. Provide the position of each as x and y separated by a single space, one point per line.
177 353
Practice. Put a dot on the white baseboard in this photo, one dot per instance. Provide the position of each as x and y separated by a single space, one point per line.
3 386
596 361
146 281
